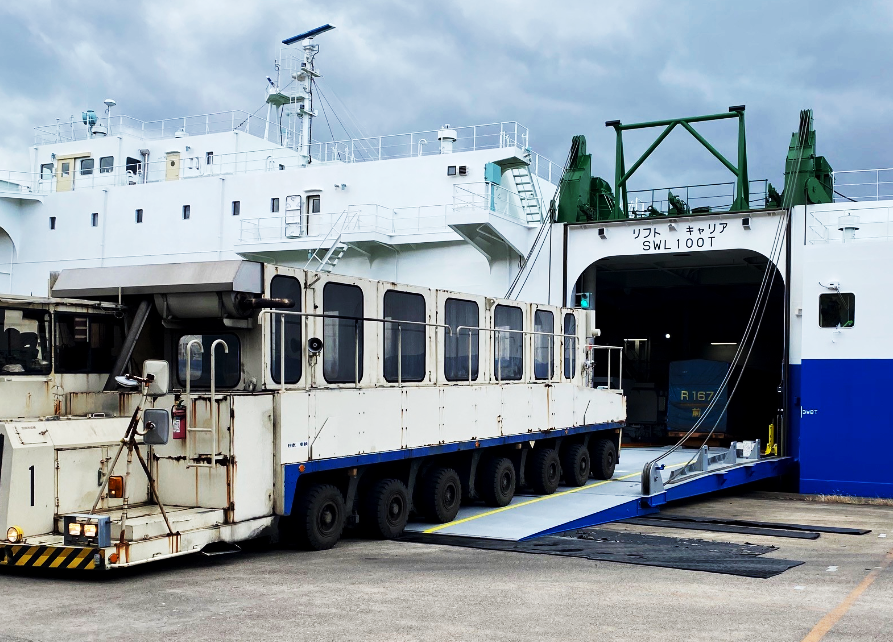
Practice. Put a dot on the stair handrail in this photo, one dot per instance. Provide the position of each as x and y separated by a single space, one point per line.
322 243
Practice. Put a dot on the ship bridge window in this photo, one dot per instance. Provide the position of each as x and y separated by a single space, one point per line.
133 165
342 338
837 310
106 164
456 345
227 366
570 346
87 166
509 350
24 348
46 171
87 343
286 287
404 344
543 346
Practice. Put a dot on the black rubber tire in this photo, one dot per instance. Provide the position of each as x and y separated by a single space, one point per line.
385 509
441 495
604 459
543 471
319 518
497 482
575 464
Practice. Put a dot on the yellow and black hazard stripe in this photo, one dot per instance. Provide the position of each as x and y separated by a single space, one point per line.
65 557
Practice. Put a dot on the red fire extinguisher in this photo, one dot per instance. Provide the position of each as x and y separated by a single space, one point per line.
178 420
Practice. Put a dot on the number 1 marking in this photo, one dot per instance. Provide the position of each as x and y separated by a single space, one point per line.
31 468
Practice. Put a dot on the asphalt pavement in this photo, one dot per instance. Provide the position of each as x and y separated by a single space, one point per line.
372 590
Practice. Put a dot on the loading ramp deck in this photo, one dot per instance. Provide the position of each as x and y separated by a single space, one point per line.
601 501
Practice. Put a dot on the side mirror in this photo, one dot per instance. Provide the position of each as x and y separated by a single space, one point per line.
157 426
161 371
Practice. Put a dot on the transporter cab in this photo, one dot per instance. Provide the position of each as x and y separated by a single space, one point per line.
277 402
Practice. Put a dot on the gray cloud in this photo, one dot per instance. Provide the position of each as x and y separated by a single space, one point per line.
560 68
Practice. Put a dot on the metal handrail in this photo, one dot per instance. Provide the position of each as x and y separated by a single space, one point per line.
497 331
215 416
592 347
357 321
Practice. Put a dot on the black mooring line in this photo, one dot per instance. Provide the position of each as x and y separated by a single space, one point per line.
720 528
838 530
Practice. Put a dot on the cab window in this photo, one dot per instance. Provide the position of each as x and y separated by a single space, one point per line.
228 370
457 344
24 345
404 343
286 287
87 343
509 346
570 346
342 338
543 346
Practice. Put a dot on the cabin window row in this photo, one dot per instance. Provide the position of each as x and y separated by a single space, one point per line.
404 338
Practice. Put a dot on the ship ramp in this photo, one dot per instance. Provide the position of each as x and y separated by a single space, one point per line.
528 516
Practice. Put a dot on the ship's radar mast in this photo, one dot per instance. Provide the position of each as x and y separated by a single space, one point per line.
294 97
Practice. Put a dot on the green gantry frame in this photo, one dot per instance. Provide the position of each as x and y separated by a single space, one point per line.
621 175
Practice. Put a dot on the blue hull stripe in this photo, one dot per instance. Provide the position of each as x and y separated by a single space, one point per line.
291 472
844 426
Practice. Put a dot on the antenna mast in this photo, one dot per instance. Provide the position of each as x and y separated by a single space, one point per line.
299 100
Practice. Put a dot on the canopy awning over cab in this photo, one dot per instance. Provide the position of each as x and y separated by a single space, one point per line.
205 276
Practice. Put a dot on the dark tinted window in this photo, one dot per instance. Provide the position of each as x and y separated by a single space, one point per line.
46 171
404 344
87 343
458 312
24 348
837 309
228 365
570 346
342 361
87 166
106 164
543 350
286 287
509 346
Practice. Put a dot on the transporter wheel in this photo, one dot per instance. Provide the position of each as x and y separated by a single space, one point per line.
544 471
320 517
575 464
497 485
604 459
386 509
441 495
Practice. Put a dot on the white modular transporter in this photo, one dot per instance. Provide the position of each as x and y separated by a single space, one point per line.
275 401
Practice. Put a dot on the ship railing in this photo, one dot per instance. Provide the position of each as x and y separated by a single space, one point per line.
489 197
841 225
863 184
423 143
369 218
122 125
716 196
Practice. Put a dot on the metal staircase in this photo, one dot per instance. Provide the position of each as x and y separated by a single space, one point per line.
332 252
526 188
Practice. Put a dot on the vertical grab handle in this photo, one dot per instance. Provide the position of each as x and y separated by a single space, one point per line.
190 421
215 415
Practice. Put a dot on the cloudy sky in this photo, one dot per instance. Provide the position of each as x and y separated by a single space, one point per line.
559 67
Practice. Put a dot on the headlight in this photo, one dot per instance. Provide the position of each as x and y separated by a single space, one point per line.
89 530
74 529
14 535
